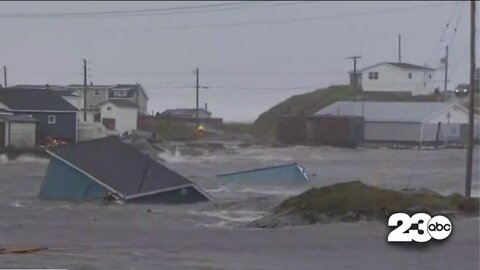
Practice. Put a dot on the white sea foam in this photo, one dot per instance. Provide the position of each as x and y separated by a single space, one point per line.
239 216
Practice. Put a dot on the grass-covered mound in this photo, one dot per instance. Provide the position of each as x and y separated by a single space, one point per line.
356 201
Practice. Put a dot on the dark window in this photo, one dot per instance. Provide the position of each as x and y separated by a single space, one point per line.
373 75
109 108
430 76
410 75
96 92
51 119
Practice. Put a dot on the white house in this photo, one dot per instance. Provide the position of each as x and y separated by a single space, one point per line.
119 115
390 121
397 78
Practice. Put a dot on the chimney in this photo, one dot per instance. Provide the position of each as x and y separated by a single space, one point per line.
91 83
48 86
206 106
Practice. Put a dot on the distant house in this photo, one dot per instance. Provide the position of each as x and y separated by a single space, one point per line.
119 115
186 113
16 130
97 94
406 121
400 78
55 116
132 92
102 168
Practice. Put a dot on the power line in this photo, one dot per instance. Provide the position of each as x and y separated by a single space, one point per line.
155 12
117 12
456 26
282 21
438 46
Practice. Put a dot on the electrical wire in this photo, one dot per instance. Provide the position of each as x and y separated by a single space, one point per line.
281 21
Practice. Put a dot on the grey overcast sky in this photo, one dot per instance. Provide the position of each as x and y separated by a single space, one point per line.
295 47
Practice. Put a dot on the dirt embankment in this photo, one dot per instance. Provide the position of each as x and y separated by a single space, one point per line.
355 201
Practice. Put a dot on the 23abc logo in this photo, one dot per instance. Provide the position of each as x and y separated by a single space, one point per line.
437 227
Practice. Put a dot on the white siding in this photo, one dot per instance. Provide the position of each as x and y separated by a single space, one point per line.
393 79
75 101
452 115
125 118
22 134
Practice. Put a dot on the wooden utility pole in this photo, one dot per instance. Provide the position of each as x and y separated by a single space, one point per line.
355 75
446 75
468 177
85 90
196 107
5 76
399 48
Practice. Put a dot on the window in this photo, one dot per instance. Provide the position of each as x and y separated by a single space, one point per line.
119 93
51 119
410 75
109 108
430 76
373 75
96 92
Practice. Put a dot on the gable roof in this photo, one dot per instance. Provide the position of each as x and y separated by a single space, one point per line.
409 66
39 86
381 111
20 99
131 90
405 66
120 168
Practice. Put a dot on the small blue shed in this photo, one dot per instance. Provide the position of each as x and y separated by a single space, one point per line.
291 173
94 169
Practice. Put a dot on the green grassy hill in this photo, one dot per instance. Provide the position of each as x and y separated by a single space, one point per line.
304 104
309 103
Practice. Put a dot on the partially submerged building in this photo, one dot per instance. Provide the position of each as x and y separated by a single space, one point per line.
106 167
291 173
17 130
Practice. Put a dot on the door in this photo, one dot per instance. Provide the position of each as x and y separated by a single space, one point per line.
109 123
2 134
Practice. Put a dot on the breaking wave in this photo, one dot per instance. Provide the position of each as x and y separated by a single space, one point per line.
281 192
239 216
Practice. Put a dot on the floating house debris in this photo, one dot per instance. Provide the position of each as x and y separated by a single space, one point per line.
291 173
106 167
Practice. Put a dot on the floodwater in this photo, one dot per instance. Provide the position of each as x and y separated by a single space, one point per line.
213 235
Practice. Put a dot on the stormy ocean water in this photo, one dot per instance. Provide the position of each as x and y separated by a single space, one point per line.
214 235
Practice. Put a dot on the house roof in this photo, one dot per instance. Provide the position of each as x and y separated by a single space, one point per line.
131 88
39 86
409 66
124 103
17 118
67 93
385 111
21 99
119 167
406 66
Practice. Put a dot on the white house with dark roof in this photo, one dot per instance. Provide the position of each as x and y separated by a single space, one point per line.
396 77
119 115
